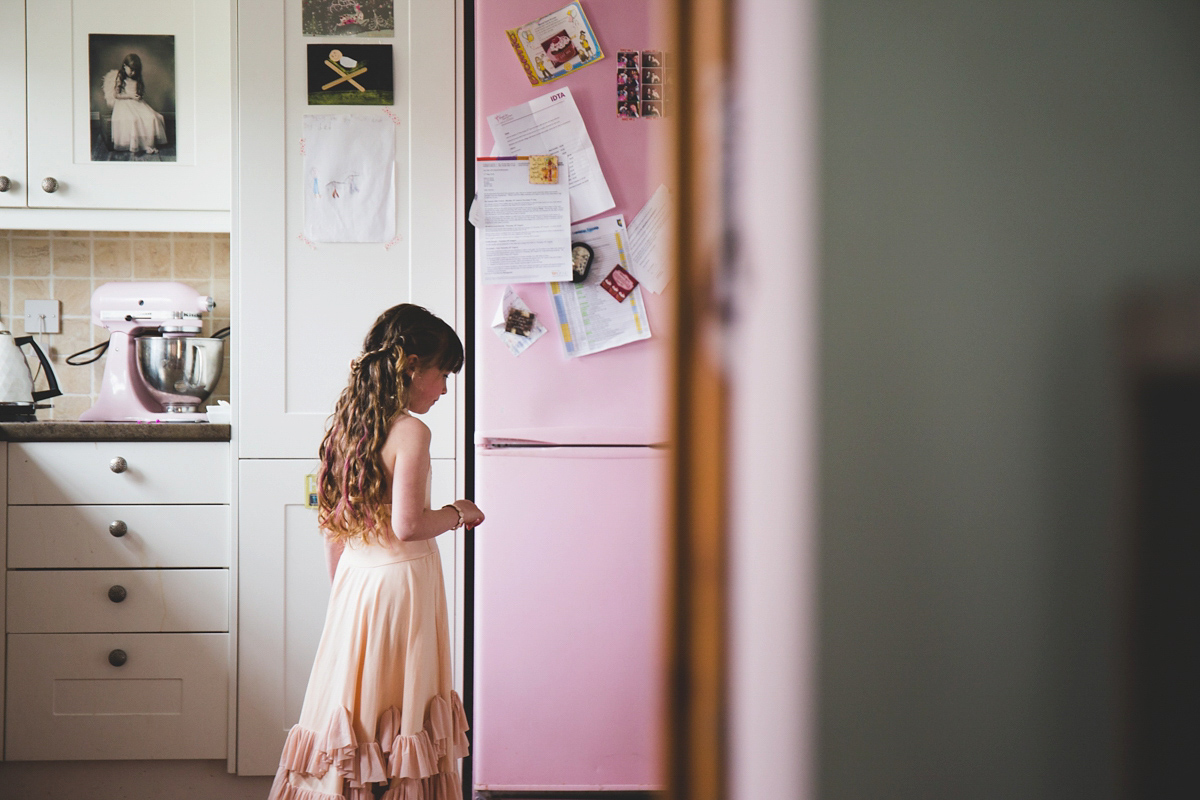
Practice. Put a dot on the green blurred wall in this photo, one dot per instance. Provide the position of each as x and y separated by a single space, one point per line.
995 177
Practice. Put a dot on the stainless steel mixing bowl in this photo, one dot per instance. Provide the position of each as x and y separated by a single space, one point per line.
180 372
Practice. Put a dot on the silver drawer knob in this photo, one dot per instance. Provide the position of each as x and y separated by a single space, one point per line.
5 183
49 185
118 465
118 528
117 594
117 657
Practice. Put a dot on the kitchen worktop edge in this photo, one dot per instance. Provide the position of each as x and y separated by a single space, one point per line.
68 431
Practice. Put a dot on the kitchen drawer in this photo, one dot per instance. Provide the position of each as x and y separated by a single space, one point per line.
169 700
64 537
65 473
78 601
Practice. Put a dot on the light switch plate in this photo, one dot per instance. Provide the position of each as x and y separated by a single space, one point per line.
43 316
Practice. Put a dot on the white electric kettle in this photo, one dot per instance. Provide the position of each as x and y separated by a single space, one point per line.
17 396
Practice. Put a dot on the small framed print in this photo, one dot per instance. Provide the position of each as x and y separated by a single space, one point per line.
132 78
348 18
341 74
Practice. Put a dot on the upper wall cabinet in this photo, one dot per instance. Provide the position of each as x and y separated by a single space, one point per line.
118 110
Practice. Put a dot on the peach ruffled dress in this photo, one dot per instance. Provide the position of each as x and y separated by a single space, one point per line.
380 705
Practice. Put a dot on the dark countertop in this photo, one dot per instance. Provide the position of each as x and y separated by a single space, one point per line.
113 432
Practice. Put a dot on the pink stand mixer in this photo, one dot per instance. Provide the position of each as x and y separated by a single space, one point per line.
158 368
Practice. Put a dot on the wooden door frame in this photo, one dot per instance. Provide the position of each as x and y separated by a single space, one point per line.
697 631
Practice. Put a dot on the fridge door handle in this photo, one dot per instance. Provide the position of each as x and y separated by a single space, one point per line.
496 443
500 439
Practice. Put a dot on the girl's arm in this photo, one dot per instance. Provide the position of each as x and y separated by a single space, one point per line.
411 520
333 554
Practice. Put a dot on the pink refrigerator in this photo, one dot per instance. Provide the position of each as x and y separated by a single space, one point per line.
570 564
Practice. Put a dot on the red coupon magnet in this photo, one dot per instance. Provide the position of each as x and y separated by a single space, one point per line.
619 283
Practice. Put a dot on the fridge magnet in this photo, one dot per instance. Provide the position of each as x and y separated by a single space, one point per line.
619 283
349 178
519 322
515 324
543 169
582 256
348 18
350 74
132 79
555 45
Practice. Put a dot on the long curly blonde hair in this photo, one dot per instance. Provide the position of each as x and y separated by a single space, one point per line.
353 501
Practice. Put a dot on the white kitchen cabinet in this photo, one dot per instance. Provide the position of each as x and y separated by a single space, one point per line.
96 601
12 101
155 536
117 600
303 308
167 699
283 588
55 113
3 572
70 473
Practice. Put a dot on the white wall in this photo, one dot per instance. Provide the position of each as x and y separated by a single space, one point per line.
994 176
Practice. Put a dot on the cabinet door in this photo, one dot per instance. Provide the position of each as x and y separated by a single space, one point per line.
80 140
117 537
65 473
12 101
100 600
70 699
304 307
283 590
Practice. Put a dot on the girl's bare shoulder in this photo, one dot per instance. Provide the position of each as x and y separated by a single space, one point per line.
409 433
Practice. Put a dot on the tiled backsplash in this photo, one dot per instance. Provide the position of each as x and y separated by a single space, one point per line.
69 265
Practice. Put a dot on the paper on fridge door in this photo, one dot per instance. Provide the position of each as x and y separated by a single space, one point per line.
349 178
517 334
649 242
526 227
590 319
551 125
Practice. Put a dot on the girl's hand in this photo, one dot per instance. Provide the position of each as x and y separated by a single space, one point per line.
472 516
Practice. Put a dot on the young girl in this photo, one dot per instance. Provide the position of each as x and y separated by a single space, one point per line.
380 707
135 125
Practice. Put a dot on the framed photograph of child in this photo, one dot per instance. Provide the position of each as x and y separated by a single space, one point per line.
132 97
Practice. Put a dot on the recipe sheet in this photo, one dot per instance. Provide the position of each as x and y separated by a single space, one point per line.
526 230
591 319
551 125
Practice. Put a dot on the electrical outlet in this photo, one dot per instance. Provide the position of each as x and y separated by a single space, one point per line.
43 316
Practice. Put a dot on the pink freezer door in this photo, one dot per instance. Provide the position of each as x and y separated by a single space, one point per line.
568 619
